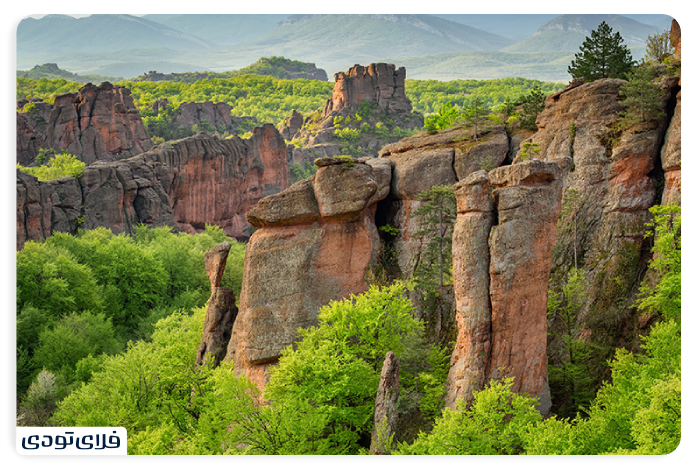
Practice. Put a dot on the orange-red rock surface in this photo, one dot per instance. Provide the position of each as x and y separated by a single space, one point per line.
315 243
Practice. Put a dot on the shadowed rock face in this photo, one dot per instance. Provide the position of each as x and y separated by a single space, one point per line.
315 244
670 156
502 243
616 177
386 412
96 123
423 161
185 184
221 313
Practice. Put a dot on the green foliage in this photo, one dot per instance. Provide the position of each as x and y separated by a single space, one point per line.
528 150
664 297
638 413
428 96
73 338
299 172
448 116
335 367
532 104
347 134
658 46
569 374
642 97
436 220
365 109
150 382
62 164
53 280
602 55
476 114
41 399
494 424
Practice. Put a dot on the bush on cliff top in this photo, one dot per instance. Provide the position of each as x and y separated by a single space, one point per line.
63 164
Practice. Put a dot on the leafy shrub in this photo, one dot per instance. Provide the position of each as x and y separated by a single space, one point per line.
334 370
494 424
448 116
61 165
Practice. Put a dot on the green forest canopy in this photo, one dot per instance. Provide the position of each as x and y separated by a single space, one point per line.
271 99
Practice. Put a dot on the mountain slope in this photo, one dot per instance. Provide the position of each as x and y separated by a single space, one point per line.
515 27
477 65
337 42
221 29
567 32
95 33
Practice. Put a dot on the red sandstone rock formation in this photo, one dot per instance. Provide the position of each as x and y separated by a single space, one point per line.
213 181
670 156
221 313
422 161
187 184
613 174
378 82
386 412
504 235
97 122
675 38
315 244
291 125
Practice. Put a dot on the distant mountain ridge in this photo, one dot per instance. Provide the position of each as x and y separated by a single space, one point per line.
128 46
567 32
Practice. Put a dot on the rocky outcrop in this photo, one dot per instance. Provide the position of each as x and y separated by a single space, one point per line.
96 123
613 181
214 181
221 312
502 243
675 38
315 244
185 184
613 176
206 116
386 412
34 209
670 157
368 102
291 125
380 83
422 161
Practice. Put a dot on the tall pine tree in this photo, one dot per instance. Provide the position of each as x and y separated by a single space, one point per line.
602 55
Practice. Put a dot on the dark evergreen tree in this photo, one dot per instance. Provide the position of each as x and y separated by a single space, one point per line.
532 104
436 218
641 96
602 55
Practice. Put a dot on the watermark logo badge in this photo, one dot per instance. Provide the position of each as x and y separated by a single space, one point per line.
72 441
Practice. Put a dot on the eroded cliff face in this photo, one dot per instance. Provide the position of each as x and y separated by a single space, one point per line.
378 82
616 176
96 123
423 161
379 89
503 238
185 184
315 244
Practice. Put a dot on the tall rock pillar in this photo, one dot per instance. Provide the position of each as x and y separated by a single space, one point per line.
503 239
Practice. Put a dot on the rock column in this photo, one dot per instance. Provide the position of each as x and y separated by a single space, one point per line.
501 307
386 413
221 312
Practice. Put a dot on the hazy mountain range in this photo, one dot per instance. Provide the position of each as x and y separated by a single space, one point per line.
429 46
